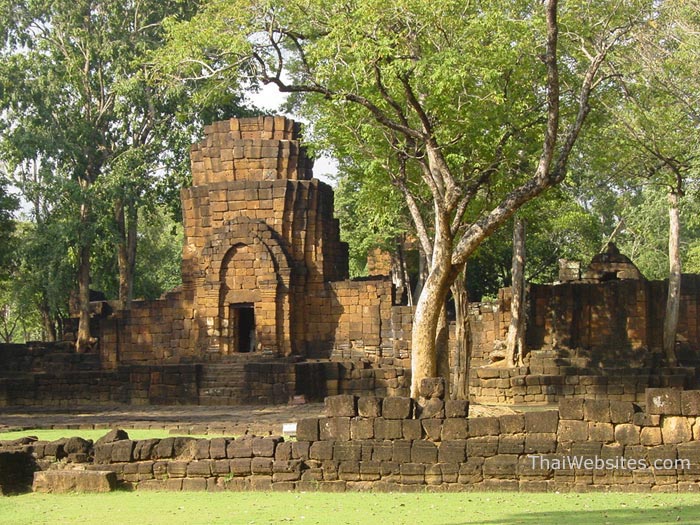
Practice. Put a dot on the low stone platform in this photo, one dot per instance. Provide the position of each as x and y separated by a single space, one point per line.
65 481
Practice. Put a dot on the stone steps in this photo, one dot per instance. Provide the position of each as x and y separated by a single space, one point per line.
236 380
550 373
222 376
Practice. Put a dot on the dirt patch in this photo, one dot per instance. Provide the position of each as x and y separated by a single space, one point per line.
230 420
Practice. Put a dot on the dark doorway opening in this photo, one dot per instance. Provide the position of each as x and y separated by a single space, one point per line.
242 321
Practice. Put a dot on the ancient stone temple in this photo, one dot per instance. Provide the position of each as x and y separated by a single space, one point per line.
264 270
266 312
260 239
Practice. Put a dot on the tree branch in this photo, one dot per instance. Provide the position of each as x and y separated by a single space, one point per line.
479 230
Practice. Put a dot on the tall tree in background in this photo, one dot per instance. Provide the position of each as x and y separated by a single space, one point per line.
8 204
515 340
58 103
372 215
77 103
481 102
659 121
9 320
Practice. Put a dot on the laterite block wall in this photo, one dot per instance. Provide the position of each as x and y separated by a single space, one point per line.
391 444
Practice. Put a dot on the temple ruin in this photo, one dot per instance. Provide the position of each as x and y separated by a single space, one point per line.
264 271
266 312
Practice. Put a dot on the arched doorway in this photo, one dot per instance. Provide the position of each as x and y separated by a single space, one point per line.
243 300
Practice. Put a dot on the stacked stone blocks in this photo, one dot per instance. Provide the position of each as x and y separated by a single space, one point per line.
382 444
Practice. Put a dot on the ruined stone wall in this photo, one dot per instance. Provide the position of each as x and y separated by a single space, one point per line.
264 272
150 332
374 444
625 314
347 319
612 314
137 385
259 234
51 376
600 341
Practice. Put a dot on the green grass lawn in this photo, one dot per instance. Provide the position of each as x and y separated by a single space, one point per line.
58 433
172 508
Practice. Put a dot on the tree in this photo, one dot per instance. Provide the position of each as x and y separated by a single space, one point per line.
77 104
480 103
8 205
659 121
34 295
371 214
515 341
43 256
158 260
57 103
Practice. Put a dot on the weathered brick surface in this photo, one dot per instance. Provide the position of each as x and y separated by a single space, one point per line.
334 428
240 448
388 428
62 481
663 401
621 411
397 407
456 408
341 405
411 429
573 430
571 408
455 428
690 402
675 429
484 426
596 410
512 423
369 406
308 429
430 408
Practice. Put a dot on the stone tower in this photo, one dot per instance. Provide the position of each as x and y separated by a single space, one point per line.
260 237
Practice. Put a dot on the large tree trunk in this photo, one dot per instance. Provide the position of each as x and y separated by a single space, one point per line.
516 330
674 280
47 322
422 275
127 220
462 354
84 338
442 347
425 325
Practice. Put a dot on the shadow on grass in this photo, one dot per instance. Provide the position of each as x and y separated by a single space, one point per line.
672 513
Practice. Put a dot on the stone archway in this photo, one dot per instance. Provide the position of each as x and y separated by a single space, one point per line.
247 300
247 289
